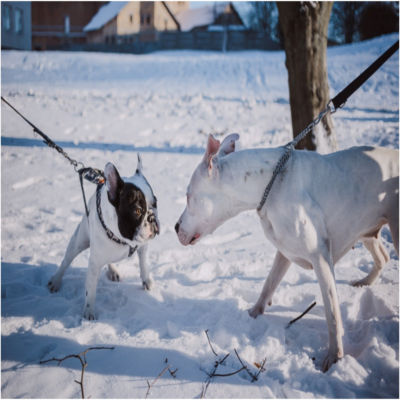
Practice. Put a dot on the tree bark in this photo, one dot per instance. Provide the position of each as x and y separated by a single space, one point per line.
304 26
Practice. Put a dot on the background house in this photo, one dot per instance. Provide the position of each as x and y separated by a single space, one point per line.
16 28
56 23
218 16
119 19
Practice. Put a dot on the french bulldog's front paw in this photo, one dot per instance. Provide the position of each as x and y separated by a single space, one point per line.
113 275
88 313
54 285
148 284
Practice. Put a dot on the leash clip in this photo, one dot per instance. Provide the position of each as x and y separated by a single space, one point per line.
92 175
331 107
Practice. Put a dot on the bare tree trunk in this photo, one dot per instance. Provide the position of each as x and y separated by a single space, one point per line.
304 26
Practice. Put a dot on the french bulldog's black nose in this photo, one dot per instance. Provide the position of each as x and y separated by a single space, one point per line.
177 227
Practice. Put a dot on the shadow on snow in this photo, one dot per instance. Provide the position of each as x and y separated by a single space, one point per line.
27 142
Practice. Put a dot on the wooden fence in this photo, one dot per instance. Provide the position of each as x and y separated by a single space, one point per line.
196 40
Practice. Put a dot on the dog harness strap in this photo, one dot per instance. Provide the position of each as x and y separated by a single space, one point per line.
109 233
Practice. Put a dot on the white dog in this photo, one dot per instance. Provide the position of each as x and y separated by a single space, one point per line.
122 218
318 208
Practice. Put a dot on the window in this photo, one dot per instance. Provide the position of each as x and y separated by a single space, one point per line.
6 17
19 20
131 18
148 19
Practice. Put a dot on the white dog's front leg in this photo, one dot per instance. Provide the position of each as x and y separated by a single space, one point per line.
323 268
144 272
92 278
279 268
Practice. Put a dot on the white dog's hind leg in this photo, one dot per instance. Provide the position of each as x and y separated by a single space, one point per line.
323 267
380 256
112 273
144 271
78 242
279 268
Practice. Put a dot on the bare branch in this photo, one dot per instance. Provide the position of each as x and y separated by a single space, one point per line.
82 358
232 373
260 369
166 368
213 373
252 376
301 315
209 342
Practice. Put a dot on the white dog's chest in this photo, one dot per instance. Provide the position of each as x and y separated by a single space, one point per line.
284 246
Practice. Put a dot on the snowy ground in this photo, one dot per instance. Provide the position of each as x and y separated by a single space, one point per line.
104 108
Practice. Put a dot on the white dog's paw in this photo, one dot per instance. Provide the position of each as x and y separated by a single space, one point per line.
148 284
330 359
362 282
54 285
256 311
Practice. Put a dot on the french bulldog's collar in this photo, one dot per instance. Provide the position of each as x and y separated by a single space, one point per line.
109 233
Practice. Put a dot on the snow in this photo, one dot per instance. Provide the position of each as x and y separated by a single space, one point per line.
194 17
107 107
205 15
105 14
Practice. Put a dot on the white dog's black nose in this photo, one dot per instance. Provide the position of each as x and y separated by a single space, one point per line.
177 227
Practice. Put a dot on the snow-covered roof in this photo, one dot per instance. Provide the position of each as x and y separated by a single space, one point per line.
192 17
105 14
243 8
206 15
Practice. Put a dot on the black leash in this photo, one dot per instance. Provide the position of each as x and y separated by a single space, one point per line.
340 99
337 102
90 174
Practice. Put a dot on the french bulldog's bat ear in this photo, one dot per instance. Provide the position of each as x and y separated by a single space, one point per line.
228 144
139 167
114 183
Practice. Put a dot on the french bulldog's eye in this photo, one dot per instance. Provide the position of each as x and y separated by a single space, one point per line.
138 212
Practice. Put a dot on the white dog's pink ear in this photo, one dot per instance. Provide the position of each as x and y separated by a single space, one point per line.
228 144
212 149
114 183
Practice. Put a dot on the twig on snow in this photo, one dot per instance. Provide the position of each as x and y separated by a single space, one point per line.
82 358
209 342
217 363
260 367
212 374
301 315
166 368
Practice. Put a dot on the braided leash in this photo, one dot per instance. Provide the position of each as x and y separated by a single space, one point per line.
92 175
337 102
289 147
